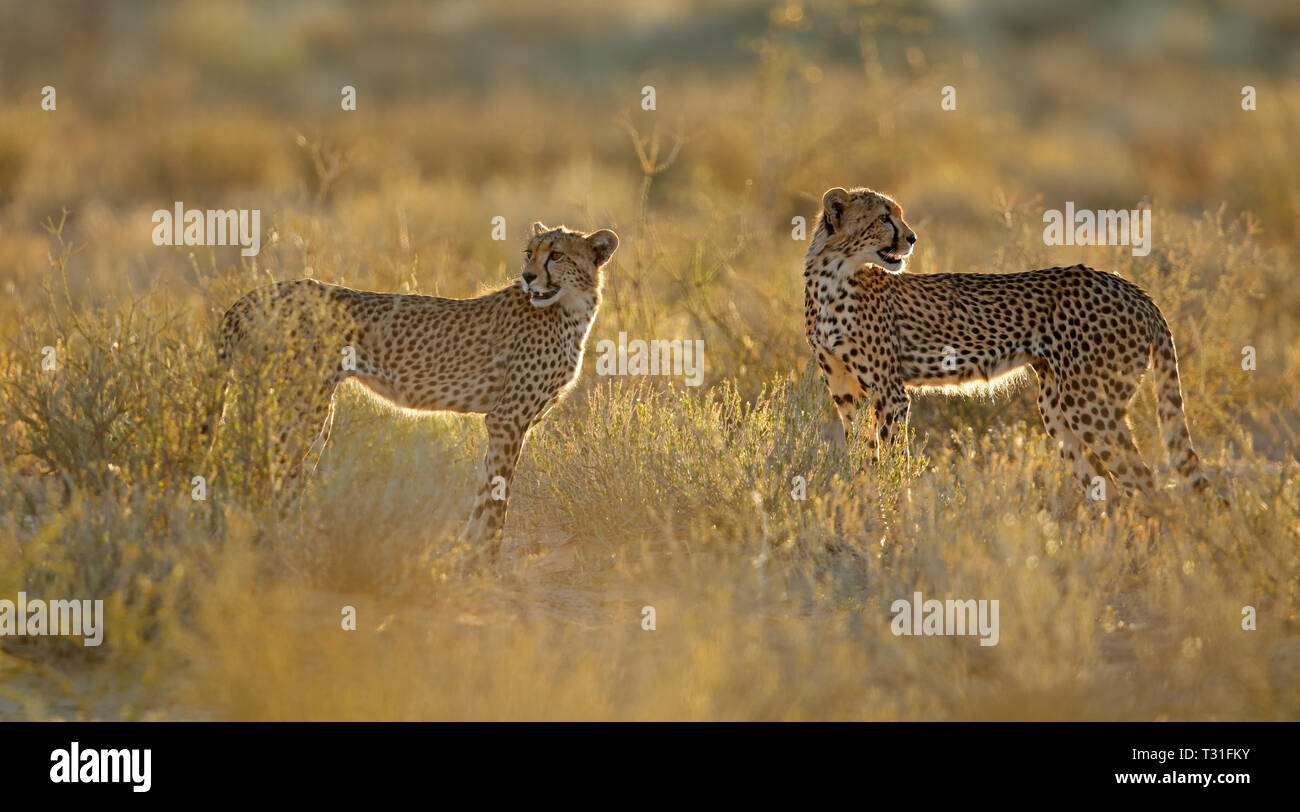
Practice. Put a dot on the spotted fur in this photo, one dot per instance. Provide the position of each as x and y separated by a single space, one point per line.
509 355
878 334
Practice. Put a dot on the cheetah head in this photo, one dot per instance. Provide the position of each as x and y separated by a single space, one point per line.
866 226
560 264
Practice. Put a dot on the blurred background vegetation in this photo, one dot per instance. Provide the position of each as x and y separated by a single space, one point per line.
635 492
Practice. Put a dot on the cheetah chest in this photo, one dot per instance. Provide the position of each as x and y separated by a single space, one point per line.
838 323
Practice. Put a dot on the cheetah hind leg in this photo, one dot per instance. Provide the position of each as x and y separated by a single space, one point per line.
1106 434
289 462
1082 462
1116 448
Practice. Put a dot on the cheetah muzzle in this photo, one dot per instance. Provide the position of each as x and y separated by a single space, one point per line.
890 260
542 298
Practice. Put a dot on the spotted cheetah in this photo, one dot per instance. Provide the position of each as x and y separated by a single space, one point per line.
877 333
510 354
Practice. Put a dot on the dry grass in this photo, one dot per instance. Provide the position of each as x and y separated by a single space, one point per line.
636 493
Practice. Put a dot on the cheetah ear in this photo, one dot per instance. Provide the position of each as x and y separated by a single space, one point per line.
833 204
538 228
603 243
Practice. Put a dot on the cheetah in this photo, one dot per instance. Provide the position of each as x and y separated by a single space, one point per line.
878 334
509 355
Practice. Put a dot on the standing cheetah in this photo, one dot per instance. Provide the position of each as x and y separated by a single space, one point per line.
1087 335
509 355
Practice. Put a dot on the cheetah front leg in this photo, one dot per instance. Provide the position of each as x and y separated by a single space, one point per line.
505 441
844 390
891 406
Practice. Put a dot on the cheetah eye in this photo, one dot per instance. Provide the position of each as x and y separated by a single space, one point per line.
528 254
556 255
884 218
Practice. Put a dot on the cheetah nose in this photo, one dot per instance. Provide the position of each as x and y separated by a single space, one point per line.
529 276
911 239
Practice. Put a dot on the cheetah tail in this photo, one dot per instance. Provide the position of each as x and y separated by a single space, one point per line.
1169 408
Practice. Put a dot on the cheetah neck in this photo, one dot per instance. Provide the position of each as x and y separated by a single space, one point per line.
832 264
579 313
579 306
577 318
833 291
